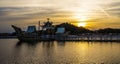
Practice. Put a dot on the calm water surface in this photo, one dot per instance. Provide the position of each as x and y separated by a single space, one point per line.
14 52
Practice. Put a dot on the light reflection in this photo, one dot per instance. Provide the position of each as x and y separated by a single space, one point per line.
60 52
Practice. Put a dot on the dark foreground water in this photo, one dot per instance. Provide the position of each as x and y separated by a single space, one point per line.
14 52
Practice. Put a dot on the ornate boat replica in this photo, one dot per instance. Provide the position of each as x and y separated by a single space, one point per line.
47 33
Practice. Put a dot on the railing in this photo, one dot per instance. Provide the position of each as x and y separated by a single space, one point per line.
83 37
92 37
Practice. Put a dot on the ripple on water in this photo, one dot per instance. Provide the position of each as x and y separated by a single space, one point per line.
14 52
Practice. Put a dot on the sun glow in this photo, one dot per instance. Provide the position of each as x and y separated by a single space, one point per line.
81 24
80 18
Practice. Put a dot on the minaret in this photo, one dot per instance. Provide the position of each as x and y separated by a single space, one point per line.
39 25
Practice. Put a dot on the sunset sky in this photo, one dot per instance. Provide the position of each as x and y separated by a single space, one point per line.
92 14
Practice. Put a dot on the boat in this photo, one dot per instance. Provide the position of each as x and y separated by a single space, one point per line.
47 33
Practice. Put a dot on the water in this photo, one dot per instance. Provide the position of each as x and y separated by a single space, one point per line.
14 52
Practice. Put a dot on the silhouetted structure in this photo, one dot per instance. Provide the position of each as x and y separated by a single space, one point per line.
66 32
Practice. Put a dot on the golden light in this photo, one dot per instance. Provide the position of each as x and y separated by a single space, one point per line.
80 18
83 19
81 24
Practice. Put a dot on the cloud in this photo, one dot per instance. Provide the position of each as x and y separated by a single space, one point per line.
113 8
27 13
114 4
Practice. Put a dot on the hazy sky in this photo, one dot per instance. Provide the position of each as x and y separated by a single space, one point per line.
95 13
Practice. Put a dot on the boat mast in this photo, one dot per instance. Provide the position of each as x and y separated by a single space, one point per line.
38 25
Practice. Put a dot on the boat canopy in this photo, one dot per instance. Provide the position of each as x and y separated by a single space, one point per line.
31 29
60 30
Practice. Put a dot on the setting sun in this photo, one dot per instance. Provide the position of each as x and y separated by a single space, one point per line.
81 24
